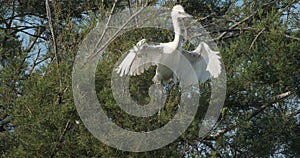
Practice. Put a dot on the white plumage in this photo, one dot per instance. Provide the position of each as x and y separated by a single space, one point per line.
206 62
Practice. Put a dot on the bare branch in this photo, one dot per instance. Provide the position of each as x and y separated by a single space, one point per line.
34 42
22 28
221 31
28 14
261 109
291 37
12 14
237 24
46 58
116 33
33 35
260 32
129 5
52 31
107 23
34 62
206 17
243 20
54 44
60 139
130 11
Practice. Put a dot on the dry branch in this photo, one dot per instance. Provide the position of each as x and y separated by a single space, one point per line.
106 27
236 24
261 109
60 139
52 31
256 37
116 33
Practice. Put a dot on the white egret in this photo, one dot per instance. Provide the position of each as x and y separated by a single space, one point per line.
130 64
205 61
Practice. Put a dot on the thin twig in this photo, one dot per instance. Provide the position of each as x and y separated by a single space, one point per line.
206 17
261 109
52 30
291 37
221 31
22 28
33 35
12 14
236 24
130 11
54 44
46 58
116 33
34 62
60 139
129 5
106 26
28 109
242 21
33 42
256 37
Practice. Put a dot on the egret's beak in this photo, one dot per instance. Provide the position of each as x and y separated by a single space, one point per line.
186 15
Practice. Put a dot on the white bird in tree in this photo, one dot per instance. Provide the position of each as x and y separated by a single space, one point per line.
205 61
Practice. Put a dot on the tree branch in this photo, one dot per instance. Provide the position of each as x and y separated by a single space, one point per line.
222 30
237 24
33 42
261 109
291 37
60 139
106 26
242 21
34 62
12 14
116 33
33 35
130 11
256 37
52 31
55 47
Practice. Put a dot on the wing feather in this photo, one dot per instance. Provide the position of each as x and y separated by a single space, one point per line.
212 59
124 67
139 60
205 62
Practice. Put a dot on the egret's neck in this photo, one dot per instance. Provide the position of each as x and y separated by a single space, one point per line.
176 30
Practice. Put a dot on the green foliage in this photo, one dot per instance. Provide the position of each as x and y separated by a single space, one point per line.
261 56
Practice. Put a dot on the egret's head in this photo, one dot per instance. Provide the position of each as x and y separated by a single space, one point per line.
178 12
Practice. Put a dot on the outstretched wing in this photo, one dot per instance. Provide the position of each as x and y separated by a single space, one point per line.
139 59
205 62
